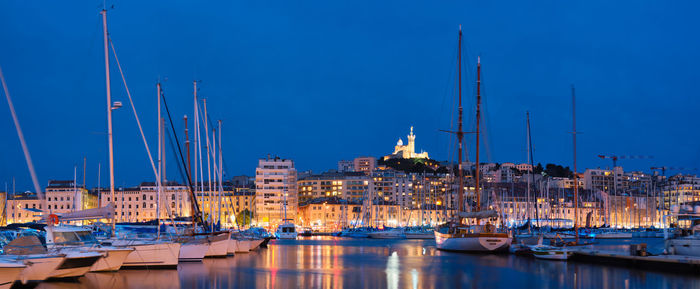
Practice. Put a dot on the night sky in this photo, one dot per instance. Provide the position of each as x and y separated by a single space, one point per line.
328 80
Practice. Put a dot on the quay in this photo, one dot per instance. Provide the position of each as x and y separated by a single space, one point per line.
668 263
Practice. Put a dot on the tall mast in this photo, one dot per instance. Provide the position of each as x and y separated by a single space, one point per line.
460 133
109 113
531 180
187 146
221 173
206 146
160 164
188 169
478 121
573 110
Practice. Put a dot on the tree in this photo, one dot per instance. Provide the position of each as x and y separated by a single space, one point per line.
243 218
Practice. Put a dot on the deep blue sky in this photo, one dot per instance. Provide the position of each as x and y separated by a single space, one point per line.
328 80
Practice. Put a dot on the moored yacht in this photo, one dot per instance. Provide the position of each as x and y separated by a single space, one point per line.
286 231
218 245
193 249
74 239
9 272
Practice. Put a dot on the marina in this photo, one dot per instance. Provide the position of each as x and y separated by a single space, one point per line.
329 262
203 139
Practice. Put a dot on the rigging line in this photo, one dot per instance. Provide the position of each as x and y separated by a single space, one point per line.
27 155
197 213
201 115
133 108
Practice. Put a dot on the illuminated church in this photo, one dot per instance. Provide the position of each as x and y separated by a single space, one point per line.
407 151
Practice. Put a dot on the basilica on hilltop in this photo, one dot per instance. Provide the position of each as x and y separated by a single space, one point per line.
407 151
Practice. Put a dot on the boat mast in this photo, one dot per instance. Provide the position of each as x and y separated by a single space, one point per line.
531 180
573 109
160 163
478 121
109 113
221 173
460 133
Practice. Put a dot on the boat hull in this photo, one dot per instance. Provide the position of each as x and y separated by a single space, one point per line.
154 255
193 251
687 247
218 246
485 242
112 260
76 265
555 254
9 272
39 268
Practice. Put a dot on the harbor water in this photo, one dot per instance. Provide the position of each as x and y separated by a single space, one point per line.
330 262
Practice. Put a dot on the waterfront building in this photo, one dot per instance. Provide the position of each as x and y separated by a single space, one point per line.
407 151
603 179
275 187
350 186
680 190
66 197
365 164
329 214
233 201
346 166
23 208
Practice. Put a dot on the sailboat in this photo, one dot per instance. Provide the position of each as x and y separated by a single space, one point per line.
456 236
148 252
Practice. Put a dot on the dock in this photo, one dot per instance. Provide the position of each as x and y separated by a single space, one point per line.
672 263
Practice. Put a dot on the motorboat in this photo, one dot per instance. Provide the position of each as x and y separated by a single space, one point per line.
29 251
10 271
286 231
74 239
76 264
551 252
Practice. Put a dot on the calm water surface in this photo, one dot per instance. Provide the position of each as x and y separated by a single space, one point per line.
328 262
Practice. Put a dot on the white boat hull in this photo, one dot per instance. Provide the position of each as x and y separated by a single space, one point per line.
9 272
684 246
112 260
482 243
193 251
255 243
243 246
39 268
145 255
218 246
76 265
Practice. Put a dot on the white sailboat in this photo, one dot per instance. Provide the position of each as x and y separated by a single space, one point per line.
475 237
147 252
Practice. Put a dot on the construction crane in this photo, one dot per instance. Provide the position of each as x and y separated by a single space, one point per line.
615 158
664 169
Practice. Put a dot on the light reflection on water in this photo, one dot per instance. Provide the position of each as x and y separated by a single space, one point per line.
327 262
